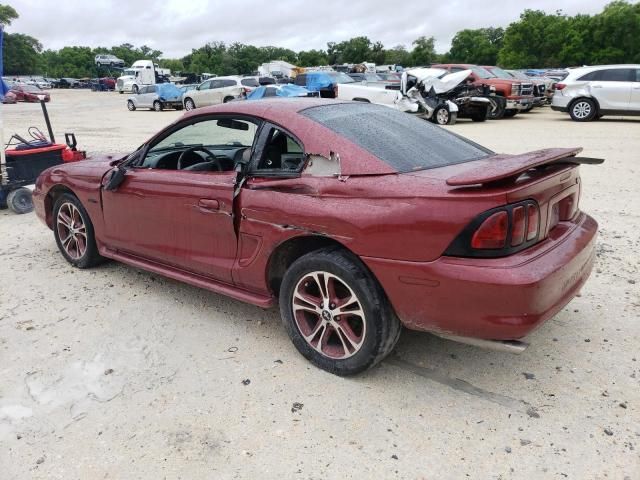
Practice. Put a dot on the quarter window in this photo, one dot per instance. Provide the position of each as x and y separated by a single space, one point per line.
281 153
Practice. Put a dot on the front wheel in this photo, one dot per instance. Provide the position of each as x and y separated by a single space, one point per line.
497 106
74 233
157 106
227 99
336 313
583 110
130 105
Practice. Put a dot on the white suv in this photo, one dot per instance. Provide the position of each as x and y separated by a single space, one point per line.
588 93
106 60
212 92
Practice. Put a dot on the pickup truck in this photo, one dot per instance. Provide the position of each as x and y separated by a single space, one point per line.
518 95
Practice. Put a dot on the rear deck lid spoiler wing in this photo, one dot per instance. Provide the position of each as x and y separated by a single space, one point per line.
504 166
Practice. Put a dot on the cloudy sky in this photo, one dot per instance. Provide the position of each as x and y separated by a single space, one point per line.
177 26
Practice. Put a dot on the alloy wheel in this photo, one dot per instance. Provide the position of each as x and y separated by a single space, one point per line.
582 110
329 315
72 230
442 116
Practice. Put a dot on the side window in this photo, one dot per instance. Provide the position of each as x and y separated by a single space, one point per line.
229 83
211 145
282 153
590 76
616 75
205 85
215 84
637 75
456 69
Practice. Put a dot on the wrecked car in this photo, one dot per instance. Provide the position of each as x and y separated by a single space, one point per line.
355 218
432 92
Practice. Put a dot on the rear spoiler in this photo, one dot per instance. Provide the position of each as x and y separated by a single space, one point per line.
503 166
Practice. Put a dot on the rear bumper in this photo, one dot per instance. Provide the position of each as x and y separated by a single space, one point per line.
499 299
558 108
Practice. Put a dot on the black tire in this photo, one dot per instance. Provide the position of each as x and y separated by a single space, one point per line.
497 107
189 104
88 257
583 110
120 92
510 113
130 105
480 116
157 106
20 201
378 325
227 99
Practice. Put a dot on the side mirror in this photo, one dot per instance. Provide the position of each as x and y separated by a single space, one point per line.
116 178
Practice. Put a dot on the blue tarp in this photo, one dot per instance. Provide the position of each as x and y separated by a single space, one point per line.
286 90
318 80
168 92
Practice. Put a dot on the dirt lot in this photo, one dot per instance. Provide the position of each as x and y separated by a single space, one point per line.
117 373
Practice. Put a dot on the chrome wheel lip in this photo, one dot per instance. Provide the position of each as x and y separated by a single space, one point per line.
72 231
332 325
582 110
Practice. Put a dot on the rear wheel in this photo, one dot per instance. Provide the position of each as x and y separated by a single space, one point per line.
336 313
189 104
19 201
442 116
480 116
583 110
74 233
157 106
130 105
227 99
510 113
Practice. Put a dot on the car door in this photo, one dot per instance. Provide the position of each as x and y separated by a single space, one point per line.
612 88
214 96
199 95
182 218
634 104
144 97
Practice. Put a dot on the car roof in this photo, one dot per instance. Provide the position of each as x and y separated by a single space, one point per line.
574 72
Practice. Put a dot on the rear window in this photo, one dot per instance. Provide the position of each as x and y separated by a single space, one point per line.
340 77
403 141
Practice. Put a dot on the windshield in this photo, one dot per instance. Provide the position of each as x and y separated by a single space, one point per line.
482 73
372 77
129 71
340 77
518 75
498 72
403 141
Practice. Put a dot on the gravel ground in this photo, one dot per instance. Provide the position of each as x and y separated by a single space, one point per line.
117 373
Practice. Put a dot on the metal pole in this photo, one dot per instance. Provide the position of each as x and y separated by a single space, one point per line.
46 119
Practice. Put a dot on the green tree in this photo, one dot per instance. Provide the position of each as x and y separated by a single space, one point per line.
615 34
21 54
480 46
7 14
424 51
312 58
354 50
397 55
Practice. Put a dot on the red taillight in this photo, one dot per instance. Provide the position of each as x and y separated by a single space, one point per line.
518 226
492 233
560 86
533 221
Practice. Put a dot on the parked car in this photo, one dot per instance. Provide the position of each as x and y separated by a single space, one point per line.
517 95
538 86
324 82
106 60
391 77
68 83
588 93
372 78
39 82
10 97
212 92
29 93
248 84
548 83
355 218
105 84
156 97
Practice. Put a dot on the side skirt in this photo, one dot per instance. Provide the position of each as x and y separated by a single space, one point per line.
199 281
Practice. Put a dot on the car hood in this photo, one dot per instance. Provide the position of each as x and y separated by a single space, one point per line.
95 165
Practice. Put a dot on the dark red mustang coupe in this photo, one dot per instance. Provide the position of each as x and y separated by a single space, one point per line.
356 218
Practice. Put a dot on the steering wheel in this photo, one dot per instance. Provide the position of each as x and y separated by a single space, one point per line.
200 148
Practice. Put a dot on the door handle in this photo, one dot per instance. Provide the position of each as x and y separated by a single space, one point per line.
208 204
